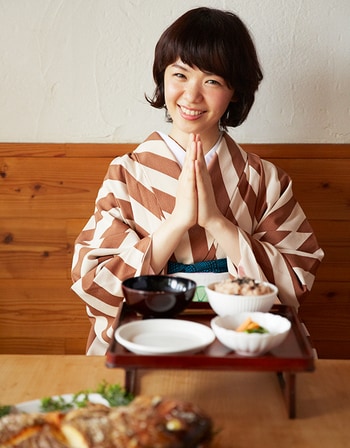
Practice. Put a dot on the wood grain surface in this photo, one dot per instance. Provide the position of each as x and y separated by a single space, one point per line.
47 194
247 407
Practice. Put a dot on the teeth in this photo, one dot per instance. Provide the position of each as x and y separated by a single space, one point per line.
190 112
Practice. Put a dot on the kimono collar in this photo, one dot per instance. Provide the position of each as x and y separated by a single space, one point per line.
179 152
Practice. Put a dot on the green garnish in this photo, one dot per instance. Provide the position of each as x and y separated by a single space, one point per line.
114 394
5 410
50 404
256 330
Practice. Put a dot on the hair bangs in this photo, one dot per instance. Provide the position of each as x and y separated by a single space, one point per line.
205 53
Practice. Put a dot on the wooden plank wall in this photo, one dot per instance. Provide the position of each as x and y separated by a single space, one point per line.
47 193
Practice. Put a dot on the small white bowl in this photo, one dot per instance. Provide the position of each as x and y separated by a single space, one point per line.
251 344
224 304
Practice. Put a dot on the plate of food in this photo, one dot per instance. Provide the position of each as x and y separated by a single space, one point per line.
141 421
164 336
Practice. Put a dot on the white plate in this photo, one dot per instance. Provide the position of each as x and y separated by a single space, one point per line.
35 405
164 336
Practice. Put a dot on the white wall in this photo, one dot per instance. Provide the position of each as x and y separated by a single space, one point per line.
77 70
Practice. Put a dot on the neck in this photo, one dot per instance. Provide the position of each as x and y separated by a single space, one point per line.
207 141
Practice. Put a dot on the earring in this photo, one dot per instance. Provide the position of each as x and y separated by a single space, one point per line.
168 118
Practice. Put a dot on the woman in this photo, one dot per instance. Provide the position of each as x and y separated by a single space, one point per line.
194 201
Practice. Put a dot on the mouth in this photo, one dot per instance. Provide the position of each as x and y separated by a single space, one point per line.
193 113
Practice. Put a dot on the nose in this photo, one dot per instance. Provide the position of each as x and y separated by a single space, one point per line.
193 92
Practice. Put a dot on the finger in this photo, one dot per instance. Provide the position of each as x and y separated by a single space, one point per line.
200 177
192 146
199 150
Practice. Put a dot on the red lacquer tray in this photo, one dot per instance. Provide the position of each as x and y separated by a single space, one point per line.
294 355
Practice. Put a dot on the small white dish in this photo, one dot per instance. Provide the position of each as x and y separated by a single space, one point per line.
164 336
251 344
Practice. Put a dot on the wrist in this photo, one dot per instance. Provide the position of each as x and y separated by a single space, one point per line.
215 225
180 221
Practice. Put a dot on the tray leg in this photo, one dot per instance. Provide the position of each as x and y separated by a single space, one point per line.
130 380
287 382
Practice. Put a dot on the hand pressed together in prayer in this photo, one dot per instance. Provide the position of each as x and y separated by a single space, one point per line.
195 205
195 199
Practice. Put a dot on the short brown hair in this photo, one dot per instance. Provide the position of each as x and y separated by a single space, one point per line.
215 41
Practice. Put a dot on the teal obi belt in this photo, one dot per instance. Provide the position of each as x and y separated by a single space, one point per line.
216 266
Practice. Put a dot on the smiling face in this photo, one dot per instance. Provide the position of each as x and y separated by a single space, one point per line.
196 101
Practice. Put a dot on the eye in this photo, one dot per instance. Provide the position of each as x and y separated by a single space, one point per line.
179 75
214 82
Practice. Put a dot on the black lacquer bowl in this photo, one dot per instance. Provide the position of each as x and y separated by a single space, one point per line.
158 295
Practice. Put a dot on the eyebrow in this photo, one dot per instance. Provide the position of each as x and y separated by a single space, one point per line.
184 67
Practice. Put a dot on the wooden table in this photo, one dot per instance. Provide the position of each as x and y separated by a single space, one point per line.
246 407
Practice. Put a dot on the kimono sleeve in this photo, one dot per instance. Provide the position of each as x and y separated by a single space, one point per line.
282 247
109 249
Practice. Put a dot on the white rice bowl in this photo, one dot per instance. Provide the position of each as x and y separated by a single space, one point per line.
224 304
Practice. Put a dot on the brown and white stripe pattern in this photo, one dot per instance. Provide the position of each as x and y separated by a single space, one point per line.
276 241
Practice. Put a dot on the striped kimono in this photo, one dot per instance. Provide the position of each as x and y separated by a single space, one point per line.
138 193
